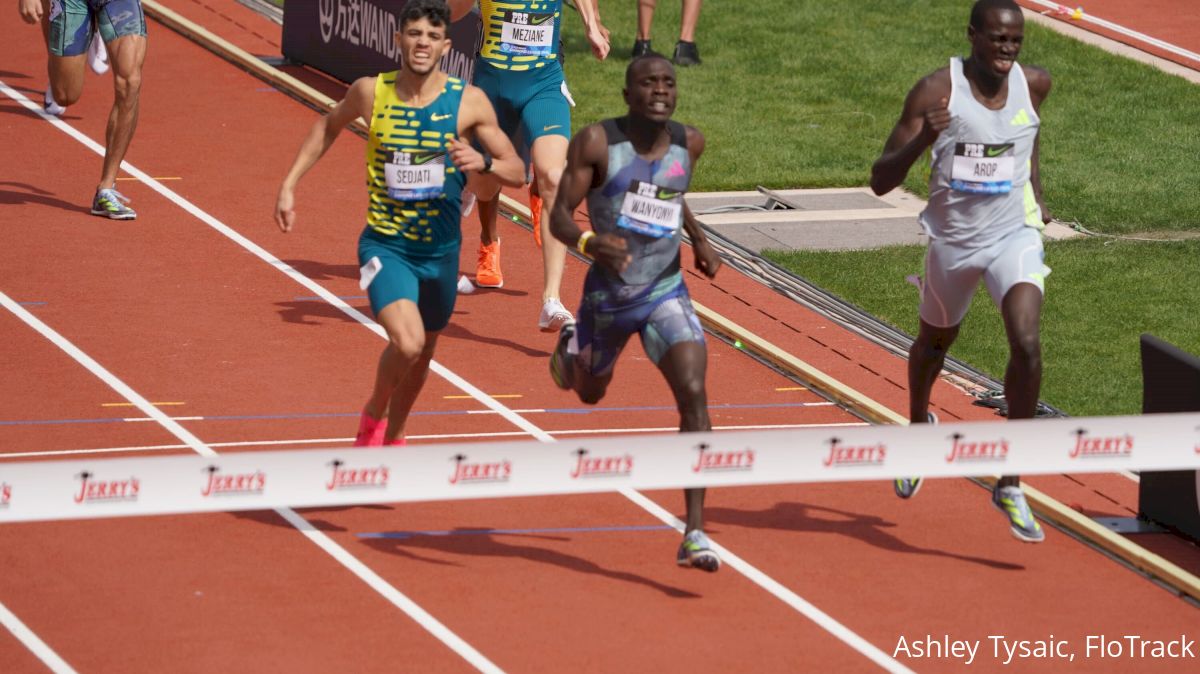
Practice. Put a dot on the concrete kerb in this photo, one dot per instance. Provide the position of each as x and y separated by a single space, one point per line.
851 218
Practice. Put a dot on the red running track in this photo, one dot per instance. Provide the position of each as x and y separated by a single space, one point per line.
182 314
1174 22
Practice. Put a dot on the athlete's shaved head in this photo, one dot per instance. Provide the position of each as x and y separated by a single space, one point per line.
636 65
982 7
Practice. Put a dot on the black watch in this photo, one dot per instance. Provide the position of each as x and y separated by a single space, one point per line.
487 164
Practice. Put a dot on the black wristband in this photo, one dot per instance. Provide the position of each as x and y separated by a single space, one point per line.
487 164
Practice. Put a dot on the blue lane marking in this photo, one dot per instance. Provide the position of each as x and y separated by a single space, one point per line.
490 532
322 299
31 304
672 408
428 413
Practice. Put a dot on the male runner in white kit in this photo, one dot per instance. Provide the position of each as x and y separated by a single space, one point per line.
984 216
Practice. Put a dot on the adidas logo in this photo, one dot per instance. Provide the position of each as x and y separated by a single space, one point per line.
1021 118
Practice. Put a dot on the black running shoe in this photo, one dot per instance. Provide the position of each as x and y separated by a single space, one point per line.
686 54
561 367
641 48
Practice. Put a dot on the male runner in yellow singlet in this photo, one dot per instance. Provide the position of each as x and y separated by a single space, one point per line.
417 161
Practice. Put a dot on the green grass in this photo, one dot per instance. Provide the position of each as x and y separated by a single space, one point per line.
803 94
1100 297
794 93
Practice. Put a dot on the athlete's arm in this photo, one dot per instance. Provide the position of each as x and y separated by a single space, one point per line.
603 31
587 161
707 259
31 10
1039 89
459 9
477 120
357 104
597 34
926 114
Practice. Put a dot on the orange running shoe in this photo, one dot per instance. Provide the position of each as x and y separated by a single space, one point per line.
487 274
535 207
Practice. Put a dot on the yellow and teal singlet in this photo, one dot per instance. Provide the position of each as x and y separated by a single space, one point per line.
415 191
520 34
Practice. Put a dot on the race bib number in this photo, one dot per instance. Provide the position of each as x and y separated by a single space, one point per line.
415 176
651 210
527 34
980 168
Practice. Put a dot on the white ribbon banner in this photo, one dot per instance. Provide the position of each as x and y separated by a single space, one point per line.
77 489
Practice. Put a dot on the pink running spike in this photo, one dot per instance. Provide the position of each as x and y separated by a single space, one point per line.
370 431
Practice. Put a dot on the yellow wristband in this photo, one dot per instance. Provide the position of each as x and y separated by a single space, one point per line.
581 245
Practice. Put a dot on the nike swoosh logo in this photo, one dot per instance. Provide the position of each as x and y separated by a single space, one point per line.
437 118
667 194
551 127
418 159
997 151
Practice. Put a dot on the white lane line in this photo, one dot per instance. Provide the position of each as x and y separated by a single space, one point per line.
821 618
35 645
773 587
455 643
411 438
1128 32
396 597
373 580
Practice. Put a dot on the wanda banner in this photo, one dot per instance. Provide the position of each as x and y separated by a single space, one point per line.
349 39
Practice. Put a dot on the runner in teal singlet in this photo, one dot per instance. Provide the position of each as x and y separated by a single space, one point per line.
518 69
418 152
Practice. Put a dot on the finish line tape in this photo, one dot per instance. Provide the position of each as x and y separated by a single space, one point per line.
79 489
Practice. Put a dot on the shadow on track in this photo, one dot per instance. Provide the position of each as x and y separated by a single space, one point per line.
805 518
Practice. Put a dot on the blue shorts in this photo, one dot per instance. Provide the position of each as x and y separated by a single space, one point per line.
73 22
660 312
389 275
529 103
